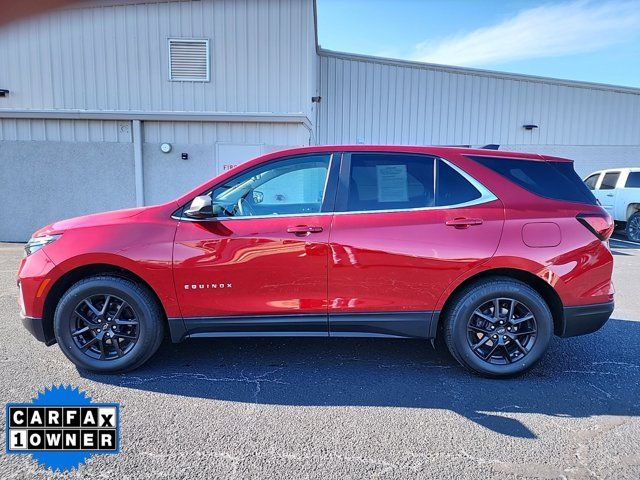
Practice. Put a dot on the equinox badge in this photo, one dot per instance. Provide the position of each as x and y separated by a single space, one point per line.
207 286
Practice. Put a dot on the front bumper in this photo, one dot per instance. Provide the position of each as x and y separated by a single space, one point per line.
36 274
37 328
585 319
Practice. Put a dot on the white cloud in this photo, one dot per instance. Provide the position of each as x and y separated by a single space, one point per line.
550 30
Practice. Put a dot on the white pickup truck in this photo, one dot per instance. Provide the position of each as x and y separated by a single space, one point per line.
618 190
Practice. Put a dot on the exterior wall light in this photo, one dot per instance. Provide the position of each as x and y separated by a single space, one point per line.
529 126
4 92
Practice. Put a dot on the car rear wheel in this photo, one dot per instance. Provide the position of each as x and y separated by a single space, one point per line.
108 324
498 327
633 227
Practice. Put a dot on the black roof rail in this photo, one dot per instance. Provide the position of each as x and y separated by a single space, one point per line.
491 146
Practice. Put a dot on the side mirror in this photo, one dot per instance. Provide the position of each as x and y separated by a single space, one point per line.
201 207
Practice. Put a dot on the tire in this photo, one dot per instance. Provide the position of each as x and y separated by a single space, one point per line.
633 227
130 329
464 329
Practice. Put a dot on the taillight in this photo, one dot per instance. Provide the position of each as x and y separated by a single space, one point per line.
601 225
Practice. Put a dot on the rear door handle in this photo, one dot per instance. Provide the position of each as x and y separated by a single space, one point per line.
463 222
304 230
609 194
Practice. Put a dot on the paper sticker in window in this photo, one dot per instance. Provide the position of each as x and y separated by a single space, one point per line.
392 183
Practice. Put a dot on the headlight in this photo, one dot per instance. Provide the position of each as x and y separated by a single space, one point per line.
36 243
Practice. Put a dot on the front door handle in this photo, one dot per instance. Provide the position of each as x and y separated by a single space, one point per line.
463 222
304 230
609 194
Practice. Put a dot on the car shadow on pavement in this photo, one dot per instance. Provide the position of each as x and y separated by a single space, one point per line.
598 374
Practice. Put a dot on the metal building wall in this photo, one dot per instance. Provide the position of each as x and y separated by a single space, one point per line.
81 79
369 100
115 57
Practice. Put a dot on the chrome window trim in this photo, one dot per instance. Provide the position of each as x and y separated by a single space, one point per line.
252 217
486 196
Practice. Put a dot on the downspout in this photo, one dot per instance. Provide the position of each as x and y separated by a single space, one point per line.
137 161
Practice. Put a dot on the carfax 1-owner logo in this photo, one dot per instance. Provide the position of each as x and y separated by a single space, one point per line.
62 427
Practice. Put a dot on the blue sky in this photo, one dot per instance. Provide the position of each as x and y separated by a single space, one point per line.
589 40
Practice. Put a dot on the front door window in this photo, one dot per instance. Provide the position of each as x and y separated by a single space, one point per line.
291 186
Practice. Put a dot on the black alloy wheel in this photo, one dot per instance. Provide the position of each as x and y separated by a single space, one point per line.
105 327
498 327
108 324
501 331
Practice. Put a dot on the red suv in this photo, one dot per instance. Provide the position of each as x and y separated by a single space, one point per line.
493 251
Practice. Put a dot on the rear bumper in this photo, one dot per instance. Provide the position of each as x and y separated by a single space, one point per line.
585 319
36 327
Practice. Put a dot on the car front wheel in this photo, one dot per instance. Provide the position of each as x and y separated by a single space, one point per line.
498 327
108 324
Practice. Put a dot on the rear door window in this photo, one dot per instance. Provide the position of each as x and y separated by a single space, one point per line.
390 181
610 181
402 181
550 179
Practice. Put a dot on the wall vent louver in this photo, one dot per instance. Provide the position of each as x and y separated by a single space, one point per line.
188 60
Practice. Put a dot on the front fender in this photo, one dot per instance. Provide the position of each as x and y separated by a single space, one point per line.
144 249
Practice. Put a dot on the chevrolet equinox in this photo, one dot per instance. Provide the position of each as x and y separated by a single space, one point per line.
492 251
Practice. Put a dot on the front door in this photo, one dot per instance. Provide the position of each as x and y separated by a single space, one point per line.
405 227
263 260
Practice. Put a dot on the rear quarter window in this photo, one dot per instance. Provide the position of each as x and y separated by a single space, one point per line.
555 180
452 188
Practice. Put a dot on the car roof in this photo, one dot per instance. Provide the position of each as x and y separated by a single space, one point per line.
431 150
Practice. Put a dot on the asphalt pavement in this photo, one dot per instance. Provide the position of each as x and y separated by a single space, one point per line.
352 408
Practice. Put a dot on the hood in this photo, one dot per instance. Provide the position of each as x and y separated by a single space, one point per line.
92 220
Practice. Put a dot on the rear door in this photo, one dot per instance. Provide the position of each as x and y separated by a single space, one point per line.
406 225
607 191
